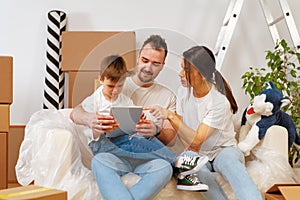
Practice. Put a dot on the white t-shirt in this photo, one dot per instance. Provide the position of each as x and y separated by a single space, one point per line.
97 103
181 94
213 110
154 95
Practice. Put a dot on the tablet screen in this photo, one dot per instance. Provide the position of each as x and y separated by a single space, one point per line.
127 117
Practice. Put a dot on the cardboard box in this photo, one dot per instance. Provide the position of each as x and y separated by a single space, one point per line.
5 117
33 192
81 85
84 51
3 160
283 192
6 82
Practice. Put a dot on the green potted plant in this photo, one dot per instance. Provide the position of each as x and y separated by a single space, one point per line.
283 68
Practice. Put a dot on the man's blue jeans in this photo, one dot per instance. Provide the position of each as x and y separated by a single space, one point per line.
115 157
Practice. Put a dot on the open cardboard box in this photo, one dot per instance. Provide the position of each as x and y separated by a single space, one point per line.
283 192
34 193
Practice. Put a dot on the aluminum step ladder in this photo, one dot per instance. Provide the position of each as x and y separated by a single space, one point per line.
231 18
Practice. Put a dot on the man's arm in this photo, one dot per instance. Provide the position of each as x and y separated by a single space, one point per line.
100 124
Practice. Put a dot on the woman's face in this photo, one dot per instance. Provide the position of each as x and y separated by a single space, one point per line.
196 78
182 77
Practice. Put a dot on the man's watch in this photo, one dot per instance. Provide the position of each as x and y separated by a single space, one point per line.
157 131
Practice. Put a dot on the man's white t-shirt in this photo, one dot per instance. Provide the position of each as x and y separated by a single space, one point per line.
213 110
97 103
154 95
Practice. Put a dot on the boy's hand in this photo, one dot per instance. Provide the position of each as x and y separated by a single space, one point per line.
104 124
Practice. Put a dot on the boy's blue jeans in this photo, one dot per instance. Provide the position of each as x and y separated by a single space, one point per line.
136 147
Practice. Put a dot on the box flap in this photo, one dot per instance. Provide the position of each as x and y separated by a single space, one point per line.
283 192
273 197
275 189
290 192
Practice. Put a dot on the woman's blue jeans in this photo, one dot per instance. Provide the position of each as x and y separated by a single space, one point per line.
230 163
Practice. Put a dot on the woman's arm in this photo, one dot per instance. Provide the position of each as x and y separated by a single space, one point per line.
167 134
192 138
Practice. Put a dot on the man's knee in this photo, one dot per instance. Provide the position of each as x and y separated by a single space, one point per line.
103 159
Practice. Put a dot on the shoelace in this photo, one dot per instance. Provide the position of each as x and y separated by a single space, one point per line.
188 160
194 179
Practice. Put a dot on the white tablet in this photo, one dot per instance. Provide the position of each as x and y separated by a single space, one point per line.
127 117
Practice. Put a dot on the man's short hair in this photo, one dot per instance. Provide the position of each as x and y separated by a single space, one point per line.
157 43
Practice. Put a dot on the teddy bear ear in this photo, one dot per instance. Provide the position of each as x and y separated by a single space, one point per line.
269 85
284 102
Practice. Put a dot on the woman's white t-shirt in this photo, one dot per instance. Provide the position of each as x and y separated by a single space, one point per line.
213 110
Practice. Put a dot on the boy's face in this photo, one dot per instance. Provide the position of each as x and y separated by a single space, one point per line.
112 89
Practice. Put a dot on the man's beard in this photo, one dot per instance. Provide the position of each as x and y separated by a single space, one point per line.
145 80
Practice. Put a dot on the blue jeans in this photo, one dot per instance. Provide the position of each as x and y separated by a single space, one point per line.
136 147
230 163
148 158
107 169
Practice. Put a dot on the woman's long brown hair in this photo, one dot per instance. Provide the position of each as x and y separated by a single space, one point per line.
203 59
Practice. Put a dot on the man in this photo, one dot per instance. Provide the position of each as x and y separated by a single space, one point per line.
143 90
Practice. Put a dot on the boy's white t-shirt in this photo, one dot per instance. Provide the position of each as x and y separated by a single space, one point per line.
97 103
213 110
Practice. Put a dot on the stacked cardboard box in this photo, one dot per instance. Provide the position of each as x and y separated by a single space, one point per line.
82 53
6 84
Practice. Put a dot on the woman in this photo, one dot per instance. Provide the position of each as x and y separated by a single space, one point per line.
204 124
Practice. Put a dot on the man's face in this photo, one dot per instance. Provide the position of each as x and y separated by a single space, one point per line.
112 89
150 63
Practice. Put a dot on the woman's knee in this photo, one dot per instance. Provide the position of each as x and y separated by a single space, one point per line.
227 157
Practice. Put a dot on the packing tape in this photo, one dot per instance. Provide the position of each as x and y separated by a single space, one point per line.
24 192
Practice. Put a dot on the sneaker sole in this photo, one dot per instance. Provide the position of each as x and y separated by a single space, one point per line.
203 160
201 188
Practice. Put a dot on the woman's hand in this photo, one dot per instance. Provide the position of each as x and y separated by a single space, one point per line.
158 112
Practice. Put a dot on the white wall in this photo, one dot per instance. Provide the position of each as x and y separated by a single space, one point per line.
183 24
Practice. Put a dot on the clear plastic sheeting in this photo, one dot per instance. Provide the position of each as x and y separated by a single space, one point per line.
269 167
52 153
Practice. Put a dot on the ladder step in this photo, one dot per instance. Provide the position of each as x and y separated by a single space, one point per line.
275 21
